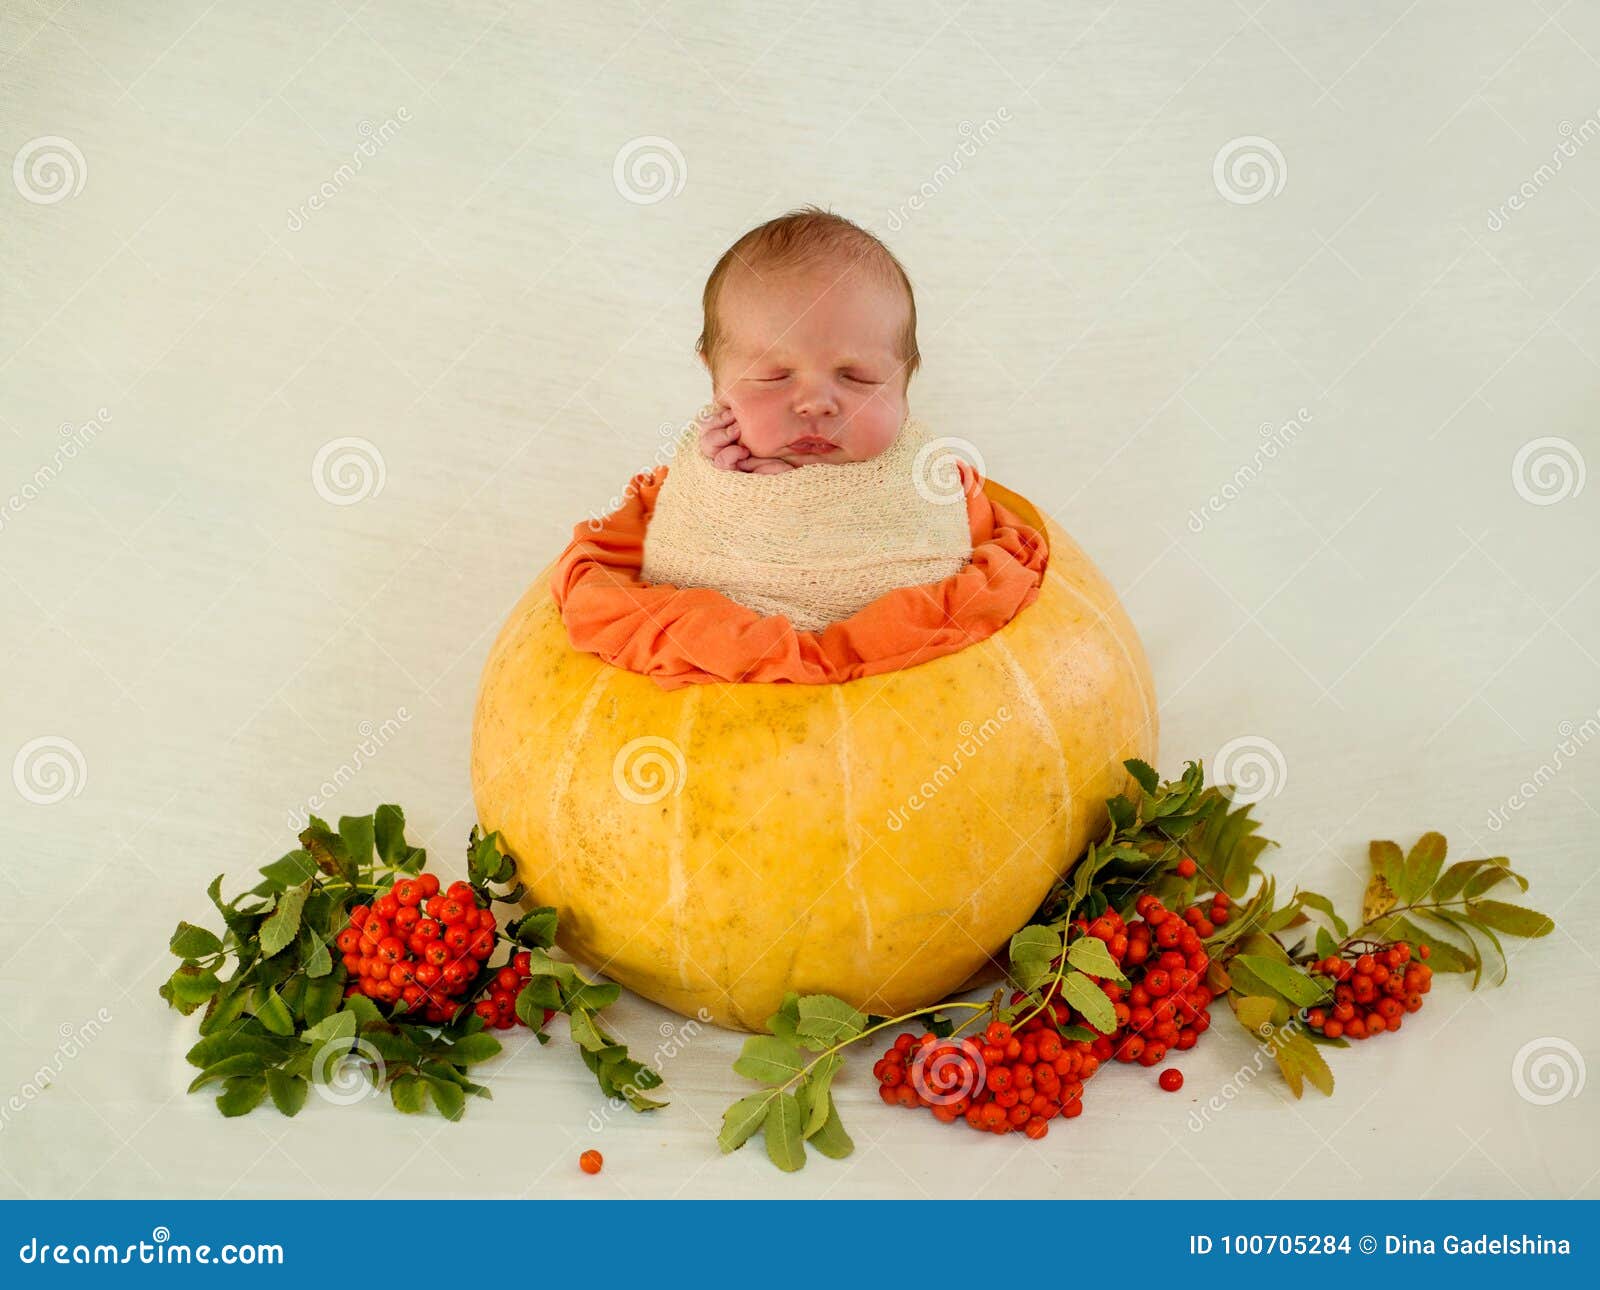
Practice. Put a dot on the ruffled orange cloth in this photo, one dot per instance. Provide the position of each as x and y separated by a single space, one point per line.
696 635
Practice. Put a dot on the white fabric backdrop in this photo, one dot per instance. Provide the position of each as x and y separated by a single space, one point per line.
480 301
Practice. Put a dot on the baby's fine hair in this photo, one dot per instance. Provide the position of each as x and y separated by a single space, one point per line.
803 239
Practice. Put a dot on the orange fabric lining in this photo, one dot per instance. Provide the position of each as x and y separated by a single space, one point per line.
696 635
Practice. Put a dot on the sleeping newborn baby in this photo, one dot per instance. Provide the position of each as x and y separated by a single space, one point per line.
807 490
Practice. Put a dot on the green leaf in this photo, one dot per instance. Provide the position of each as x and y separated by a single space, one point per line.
409 1093
242 1095
289 870
1311 900
364 1010
1293 984
288 1091
228 1067
447 1097
1327 947
594 997
540 993
1514 920
1144 774
1089 954
272 1012
1035 943
831 1139
1090 1002
584 1032
1492 875
769 1060
1421 867
742 1119
825 1021
213 1048
784 1143
472 1049
1388 862
331 1030
815 1093
191 942
356 832
190 985
536 929
389 833
280 928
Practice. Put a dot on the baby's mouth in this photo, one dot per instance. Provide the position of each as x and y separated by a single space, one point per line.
811 445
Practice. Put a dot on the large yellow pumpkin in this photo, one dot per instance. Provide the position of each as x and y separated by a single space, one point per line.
714 846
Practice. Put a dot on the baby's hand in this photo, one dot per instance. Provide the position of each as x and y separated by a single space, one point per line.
719 440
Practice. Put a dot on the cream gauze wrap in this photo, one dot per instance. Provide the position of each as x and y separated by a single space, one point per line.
814 544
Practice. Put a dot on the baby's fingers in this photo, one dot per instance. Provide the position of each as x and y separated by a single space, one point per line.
764 466
714 438
728 458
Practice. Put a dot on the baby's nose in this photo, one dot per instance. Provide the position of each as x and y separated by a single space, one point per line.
815 399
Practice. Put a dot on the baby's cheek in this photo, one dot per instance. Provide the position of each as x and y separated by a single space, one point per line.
763 428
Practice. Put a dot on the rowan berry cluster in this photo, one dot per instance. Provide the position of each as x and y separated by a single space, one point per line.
426 949
1165 1005
1372 991
1000 1081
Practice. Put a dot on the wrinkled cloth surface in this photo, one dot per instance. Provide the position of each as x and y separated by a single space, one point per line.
684 636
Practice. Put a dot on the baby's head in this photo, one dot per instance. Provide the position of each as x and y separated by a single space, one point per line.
811 333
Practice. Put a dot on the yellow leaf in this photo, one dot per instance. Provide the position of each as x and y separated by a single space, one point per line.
1379 899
